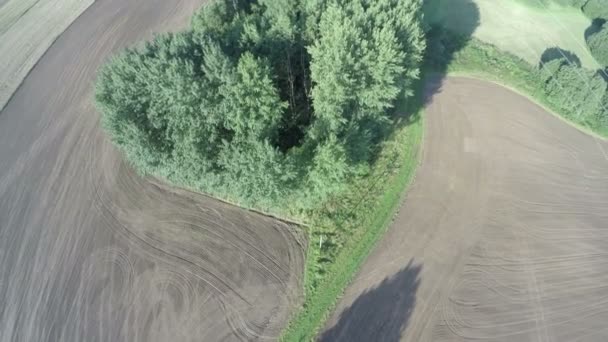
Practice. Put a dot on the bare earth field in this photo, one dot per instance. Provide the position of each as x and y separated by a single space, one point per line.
27 29
503 235
89 251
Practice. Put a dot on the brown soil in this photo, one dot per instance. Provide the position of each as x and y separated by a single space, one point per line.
89 251
503 235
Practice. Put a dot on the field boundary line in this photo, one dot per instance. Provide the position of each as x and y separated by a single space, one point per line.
601 148
482 76
162 183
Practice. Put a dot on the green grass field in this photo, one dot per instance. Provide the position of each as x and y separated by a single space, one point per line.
524 28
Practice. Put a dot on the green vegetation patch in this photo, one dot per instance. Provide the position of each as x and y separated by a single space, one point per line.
598 44
524 28
364 214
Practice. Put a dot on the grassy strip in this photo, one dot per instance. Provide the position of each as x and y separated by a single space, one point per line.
359 222
485 61
360 227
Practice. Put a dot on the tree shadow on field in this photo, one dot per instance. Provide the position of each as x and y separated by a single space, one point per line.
383 313
462 18
449 26
379 314
558 53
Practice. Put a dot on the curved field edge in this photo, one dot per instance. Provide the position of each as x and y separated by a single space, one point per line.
27 30
476 59
386 188
486 62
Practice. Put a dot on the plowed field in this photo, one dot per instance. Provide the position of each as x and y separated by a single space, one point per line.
89 250
503 235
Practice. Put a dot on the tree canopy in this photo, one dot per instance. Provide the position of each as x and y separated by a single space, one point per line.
598 45
595 9
578 92
268 103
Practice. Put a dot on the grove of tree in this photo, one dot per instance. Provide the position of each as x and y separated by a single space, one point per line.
268 103
595 9
579 93
598 45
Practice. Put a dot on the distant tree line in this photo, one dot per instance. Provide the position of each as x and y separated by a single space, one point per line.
579 94
597 41
579 91
592 8
269 103
597 34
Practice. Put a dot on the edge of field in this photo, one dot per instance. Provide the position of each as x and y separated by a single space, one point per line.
541 102
9 88
486 62
477 59
388 182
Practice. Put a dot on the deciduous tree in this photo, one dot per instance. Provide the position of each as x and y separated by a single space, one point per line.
264 100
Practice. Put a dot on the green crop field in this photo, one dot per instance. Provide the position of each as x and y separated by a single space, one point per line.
524 28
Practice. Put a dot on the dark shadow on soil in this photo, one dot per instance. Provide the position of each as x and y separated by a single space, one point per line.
379 314
444 43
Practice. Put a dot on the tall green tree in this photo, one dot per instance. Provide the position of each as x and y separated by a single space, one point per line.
595 9
598 45
577 91
355 83
265 100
